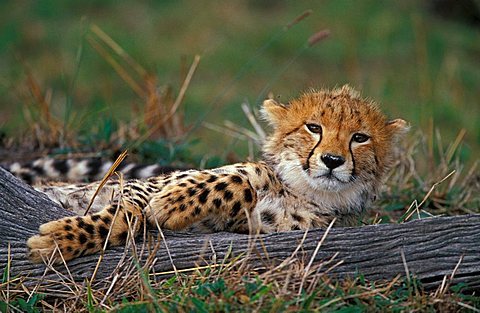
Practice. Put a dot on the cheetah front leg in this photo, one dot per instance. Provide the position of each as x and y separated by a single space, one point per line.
76 236
226 199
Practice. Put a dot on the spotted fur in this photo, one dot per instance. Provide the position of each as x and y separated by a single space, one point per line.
325 160
49 169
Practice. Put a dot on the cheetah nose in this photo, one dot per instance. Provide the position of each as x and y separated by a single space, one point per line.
332 161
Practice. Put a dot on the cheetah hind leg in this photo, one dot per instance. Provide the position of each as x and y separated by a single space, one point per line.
76 236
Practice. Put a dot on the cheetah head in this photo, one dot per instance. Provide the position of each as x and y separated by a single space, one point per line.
331 141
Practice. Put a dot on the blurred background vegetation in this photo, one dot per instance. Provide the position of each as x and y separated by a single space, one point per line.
66 88
407 56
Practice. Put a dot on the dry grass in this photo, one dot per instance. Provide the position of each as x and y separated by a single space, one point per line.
162 116
428 179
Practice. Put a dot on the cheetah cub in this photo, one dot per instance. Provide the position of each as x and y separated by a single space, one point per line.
325 159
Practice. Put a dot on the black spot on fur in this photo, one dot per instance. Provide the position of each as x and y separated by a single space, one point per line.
136 188
141 195
228 195
212 179
182 176
235 209
82 238
69 249
103 231
236 179
258 171
151 189
27 177
203 197
80 222
95 217
220 186
192 181
197 211
295 227
38 170
90 245
61 166
67 227
201 185
68 221
243 172
165 195
94 166
106 219
182 207
182 184
112 210
247 193
89 228
217 202
267 217
266 187
191 191
139 202
180 198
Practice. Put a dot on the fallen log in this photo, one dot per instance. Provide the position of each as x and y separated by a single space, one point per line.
430 249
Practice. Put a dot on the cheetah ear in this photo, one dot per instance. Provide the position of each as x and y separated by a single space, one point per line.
274 112
398 128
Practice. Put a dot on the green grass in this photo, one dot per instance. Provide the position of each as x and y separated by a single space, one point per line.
229 288
416 65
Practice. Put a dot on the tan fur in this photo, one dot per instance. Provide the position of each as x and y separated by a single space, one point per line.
325 159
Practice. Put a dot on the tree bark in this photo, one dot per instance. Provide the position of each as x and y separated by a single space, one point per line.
428 248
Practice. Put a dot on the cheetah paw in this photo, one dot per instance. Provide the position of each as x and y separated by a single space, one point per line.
55 240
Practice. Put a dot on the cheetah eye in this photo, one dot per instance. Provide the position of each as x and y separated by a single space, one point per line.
357 137
314 128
